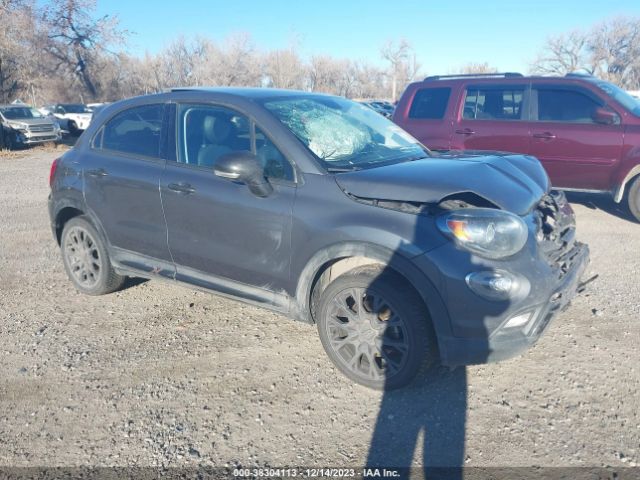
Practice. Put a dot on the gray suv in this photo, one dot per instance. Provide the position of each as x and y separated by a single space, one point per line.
320 209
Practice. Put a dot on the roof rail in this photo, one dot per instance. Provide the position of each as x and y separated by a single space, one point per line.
474 75
578 74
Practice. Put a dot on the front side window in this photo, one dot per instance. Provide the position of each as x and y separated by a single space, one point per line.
565 105
629 102
430 103
73 108
491 103
207 132
135 131
344 135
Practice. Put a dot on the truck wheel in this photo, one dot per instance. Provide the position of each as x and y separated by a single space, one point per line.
633 198
73 128
86 260
375 328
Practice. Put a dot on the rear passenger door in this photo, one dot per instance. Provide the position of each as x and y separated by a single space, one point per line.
576 151
121 172
221 235
493 117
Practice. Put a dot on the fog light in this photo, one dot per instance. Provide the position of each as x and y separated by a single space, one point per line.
493 285
519 320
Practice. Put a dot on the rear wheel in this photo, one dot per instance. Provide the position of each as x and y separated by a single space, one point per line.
86 259
375 328
633 198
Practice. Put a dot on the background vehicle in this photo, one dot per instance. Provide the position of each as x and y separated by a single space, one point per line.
22 125
321 209
73 117
586 132
383 108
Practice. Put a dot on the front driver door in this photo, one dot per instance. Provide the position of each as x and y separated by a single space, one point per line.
221 235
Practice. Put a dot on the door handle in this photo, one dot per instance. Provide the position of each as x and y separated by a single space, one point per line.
544 136
99 172
465 131
181 187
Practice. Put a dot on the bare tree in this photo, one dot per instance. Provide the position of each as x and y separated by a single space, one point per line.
16 18
403 66
285 69
471 68
563 54
615 51
74 38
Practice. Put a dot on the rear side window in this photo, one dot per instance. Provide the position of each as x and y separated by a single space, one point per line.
430 103
565 105
135 131
491 103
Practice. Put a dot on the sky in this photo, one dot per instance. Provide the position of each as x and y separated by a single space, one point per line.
445 34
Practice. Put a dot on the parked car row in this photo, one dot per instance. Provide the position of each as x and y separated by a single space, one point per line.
585 131
23 125
383 108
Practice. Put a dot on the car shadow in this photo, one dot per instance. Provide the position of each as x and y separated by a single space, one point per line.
601 201
431 413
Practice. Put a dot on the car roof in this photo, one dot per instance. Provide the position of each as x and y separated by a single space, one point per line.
249 92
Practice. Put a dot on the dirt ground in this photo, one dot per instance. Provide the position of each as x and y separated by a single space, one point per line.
159 375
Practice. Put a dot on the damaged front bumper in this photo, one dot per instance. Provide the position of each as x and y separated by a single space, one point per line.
506 342
548 270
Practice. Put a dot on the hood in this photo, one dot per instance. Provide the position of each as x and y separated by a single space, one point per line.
30 121
512 182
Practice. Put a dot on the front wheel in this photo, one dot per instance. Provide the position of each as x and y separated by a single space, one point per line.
73 128
375 328
633 198
86 259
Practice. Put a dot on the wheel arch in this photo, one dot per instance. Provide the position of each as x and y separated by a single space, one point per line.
346 256
620 189
69 209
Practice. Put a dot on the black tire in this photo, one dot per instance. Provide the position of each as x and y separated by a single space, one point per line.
86 259
633 198
391 333
73 128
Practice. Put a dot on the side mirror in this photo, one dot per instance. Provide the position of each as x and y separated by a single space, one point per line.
605 116
243 167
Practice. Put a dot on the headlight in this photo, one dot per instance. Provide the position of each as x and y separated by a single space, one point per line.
487 232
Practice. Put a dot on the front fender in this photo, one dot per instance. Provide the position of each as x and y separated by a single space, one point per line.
301 307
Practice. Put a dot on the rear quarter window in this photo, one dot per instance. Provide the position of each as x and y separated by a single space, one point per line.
430 103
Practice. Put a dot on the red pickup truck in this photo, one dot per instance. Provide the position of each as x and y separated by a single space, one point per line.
585 131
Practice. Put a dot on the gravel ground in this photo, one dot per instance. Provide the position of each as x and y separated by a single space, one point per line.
159 375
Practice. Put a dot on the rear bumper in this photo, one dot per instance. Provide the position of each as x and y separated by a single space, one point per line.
507 342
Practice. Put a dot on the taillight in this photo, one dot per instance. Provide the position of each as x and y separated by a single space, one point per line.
52 172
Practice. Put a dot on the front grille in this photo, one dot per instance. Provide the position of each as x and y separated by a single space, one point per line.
556 231
40 128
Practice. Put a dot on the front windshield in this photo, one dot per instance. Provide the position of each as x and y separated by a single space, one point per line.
36 113
345 135
73 108
622 97
16 113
